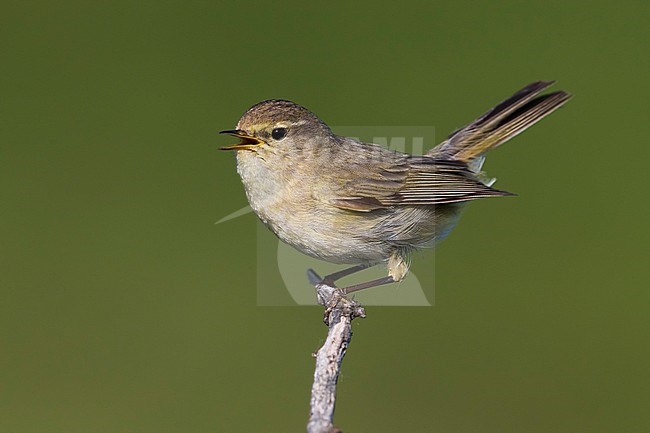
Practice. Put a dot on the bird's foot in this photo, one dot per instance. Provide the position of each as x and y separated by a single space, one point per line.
332 297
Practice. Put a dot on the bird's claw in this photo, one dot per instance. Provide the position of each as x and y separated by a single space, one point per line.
332 297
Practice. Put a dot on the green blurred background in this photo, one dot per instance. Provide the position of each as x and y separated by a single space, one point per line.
124 308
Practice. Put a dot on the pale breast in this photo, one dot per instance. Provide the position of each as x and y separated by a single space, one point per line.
287 206
291 207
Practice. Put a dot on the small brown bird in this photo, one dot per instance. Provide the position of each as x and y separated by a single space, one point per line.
345 201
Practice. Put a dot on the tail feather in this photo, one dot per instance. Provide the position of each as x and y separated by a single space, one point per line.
500 124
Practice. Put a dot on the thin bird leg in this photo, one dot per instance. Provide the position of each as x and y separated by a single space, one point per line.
368 284
329 280
332 278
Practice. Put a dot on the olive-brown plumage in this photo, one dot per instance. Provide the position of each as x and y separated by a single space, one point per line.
345 201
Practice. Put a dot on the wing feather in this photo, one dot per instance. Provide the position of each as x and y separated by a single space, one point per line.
413 181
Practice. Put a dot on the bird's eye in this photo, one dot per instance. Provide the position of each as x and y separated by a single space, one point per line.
279 133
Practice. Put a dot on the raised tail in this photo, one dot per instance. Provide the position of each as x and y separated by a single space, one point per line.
500 124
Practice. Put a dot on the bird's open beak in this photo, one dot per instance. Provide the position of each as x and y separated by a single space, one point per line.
247 142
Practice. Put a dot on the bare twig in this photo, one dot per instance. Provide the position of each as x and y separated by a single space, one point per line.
339 313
